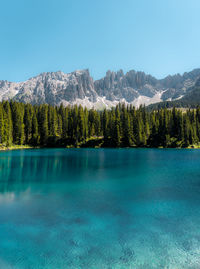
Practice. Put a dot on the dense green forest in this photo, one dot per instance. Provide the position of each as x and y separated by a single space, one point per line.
122 126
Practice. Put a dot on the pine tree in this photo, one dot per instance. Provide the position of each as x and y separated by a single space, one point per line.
186 131
28 114
43 124
52 121
2 137
127 135
105 126
116 133
86 122
64 117
35 134
18 124
8 124
81 124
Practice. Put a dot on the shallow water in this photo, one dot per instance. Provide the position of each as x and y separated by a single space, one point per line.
103 208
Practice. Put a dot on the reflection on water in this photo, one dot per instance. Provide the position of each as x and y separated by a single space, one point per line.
20 169
126 208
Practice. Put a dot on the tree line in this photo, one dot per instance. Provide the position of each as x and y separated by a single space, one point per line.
122 126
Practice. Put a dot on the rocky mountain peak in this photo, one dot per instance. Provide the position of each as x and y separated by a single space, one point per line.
79 87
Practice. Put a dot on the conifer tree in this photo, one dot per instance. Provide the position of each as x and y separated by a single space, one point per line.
105 126
116 133
81 124
18 123
64 116
2 137
8 123
43 124
28 114
86 122
35 134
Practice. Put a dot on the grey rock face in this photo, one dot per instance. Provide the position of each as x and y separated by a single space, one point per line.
79 87
54 87
197 83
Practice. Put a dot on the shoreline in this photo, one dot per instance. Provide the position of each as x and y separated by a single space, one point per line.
16 147
20 147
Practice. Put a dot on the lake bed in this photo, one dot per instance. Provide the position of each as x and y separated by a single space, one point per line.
100 208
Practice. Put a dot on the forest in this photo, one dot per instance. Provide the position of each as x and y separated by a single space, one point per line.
74 126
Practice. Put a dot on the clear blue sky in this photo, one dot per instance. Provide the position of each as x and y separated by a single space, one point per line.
159 37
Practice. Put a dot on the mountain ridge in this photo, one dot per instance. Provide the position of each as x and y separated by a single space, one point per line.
78 87
190 100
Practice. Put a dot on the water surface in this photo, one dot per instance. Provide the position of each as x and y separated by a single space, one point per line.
103 208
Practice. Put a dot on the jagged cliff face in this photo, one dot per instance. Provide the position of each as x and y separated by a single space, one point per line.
56 87
79 87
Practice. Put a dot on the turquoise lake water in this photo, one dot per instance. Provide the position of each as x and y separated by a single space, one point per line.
103 208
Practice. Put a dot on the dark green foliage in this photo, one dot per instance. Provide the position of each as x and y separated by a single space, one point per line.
122 126
8 124
43 124
116 128
18 122
28 115
2 138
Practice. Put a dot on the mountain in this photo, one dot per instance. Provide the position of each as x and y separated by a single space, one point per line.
191 99
79 87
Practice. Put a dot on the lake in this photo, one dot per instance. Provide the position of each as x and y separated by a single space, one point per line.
100 208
